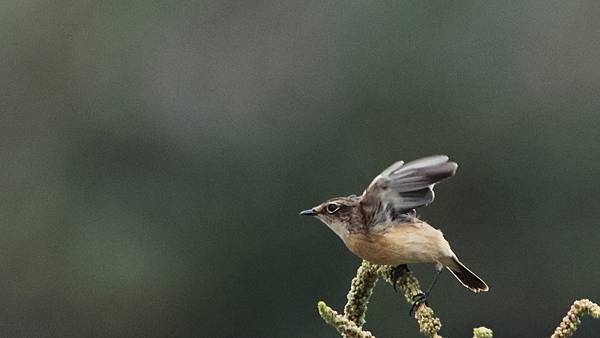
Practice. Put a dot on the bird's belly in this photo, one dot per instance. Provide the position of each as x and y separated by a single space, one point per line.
401 246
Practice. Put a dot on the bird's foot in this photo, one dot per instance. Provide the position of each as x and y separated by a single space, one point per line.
396 273
418 299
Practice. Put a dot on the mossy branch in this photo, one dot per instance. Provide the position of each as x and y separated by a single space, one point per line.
350 323
361 289
569 323
429 324
482 332
342 324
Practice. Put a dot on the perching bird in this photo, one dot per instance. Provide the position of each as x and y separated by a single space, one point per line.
381 225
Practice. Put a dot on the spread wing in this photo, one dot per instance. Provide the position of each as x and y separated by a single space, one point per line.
402 187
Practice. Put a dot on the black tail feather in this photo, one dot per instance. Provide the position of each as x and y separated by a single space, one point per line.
466 277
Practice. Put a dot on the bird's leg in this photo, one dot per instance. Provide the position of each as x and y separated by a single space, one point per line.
435 279
418 299
421 298
397 272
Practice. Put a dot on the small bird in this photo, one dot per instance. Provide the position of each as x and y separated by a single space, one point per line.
381 225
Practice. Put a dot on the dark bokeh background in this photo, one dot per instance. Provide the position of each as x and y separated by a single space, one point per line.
155 154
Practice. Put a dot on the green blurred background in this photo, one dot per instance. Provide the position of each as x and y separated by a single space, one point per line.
155 155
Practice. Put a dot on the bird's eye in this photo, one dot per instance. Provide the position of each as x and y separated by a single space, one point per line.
332 207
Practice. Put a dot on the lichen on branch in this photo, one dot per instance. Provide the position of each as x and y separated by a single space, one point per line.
350 323
482 332
569 323
342 324
361 289
429 324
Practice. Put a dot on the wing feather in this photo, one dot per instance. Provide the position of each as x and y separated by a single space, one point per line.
402 187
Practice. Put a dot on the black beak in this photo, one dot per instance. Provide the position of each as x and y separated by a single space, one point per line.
309 212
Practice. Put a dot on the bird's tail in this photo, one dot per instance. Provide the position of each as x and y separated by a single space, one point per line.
465 276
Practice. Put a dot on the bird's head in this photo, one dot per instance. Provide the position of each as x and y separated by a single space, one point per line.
340 214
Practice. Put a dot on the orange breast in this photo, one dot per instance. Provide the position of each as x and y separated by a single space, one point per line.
401 244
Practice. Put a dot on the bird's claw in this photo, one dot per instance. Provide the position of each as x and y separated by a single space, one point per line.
418 299
396 273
